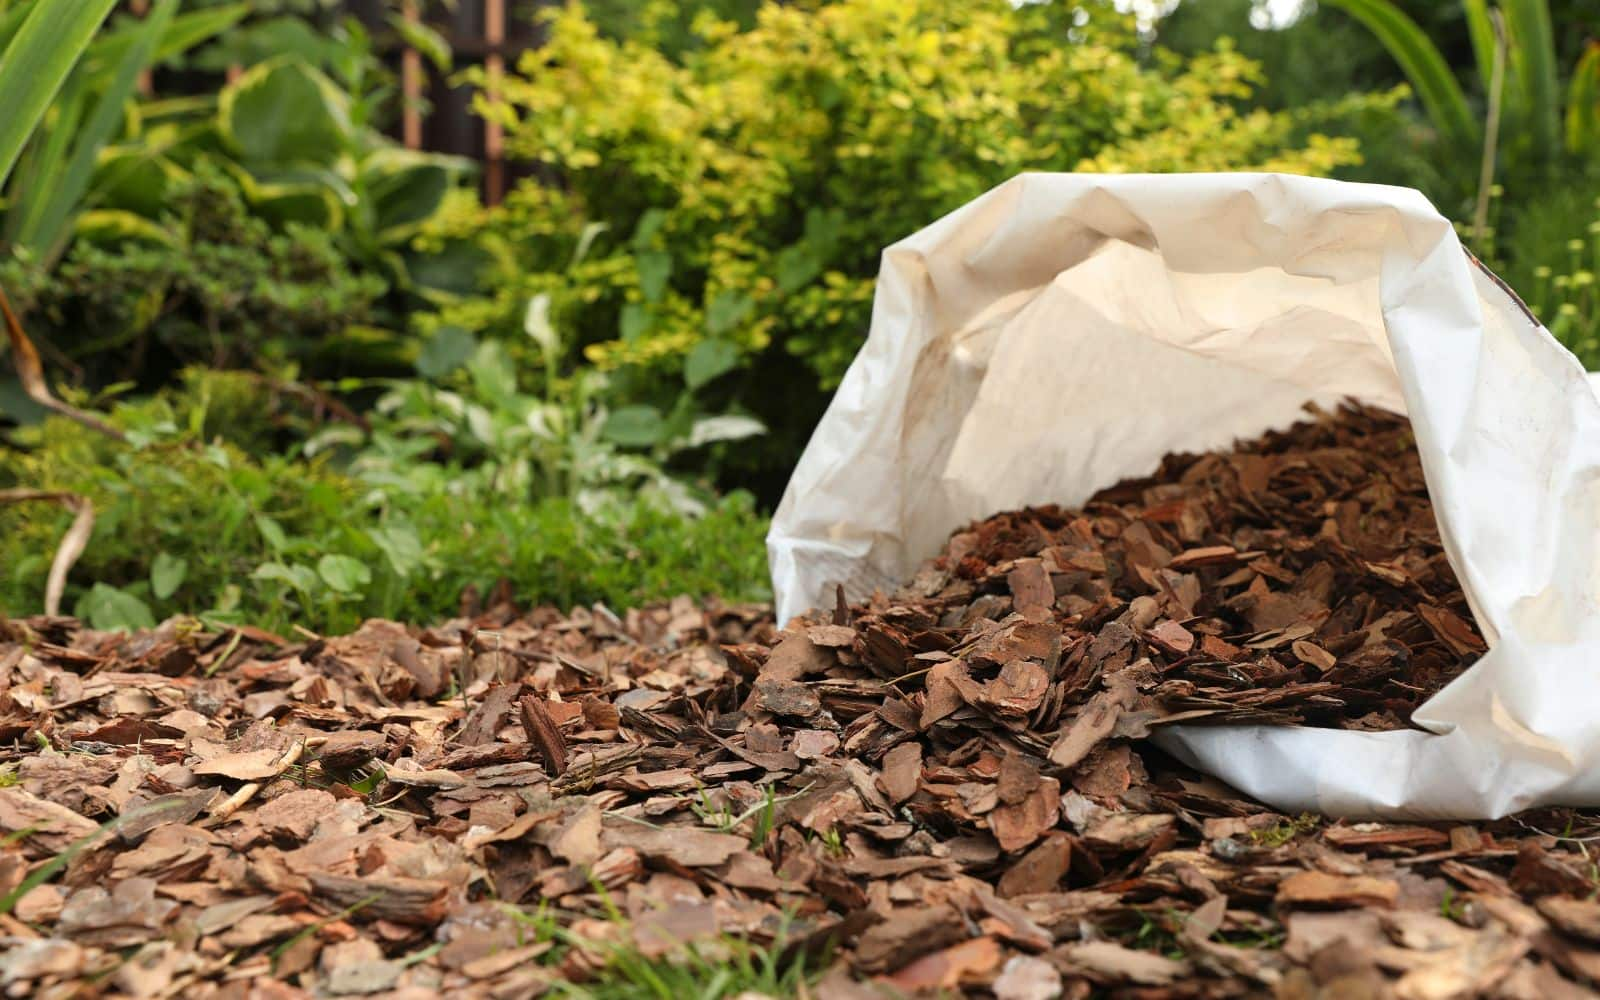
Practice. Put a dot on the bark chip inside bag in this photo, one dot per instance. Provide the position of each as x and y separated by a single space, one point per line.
1063 333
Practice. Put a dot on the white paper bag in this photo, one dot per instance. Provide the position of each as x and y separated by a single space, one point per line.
1063 332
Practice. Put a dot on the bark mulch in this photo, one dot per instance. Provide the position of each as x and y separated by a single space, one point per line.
946 788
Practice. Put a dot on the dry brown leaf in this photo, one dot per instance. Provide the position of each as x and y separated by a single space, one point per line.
949 968
247 765
1114 962
545 736
1321 889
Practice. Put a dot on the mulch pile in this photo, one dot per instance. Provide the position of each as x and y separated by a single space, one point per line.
940 789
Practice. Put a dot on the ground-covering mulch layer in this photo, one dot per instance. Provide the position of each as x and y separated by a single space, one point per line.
943 789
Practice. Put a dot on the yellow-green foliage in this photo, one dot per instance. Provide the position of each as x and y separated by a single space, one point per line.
748 190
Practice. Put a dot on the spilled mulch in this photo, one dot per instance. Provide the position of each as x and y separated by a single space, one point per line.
940 789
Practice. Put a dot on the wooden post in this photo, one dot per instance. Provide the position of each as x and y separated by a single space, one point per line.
494 34
411 85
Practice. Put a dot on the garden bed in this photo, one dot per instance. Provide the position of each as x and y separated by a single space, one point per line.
946 788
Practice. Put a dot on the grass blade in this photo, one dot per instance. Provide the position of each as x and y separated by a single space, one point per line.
48 224
1427 70
47 871
36 169
1583 105
1481 31
183 33
10 21
36 63
1533 61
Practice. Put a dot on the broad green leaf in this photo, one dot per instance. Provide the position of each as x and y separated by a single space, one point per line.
36 63
797 267
445 351
260 41
184 33
343 573
726 311
633 322
407 187
536 324
108 609
729 427
1532 55
274 535
649 225
167 573
424 39
707 360
299 577
455 268
133 178
1423 65
310 204
483 427
493 375
635 426
303 175
109 228
655 267
284 111
400 545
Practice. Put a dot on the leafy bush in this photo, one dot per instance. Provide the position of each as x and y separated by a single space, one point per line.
193 524
45 197
212 283
1321 53
560 441
735 204
1552 257
304 146
303 178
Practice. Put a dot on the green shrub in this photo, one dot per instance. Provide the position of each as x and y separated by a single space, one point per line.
741 196
1551 255
214 284
269 223
192 524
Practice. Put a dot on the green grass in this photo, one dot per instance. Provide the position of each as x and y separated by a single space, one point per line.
187 523
724 966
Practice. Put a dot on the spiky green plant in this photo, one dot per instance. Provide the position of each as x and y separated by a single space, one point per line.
1554 126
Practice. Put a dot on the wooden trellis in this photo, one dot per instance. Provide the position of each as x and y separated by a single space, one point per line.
436 113
489 33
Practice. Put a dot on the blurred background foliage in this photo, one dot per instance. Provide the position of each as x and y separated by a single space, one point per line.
351 387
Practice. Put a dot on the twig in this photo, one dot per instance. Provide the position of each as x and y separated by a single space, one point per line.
234 802
1554 836
30 370
72 543
1491 131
